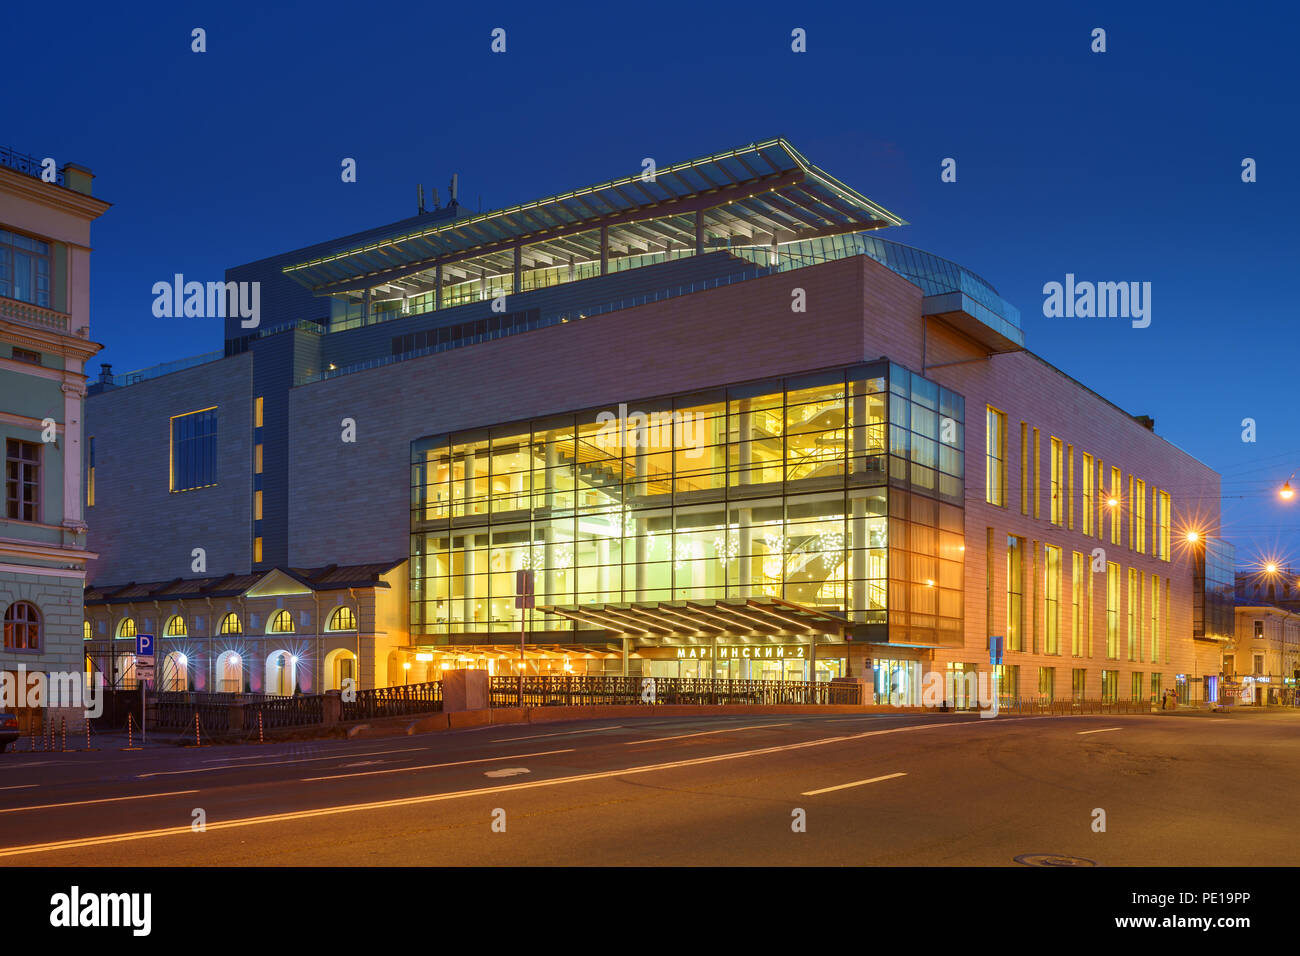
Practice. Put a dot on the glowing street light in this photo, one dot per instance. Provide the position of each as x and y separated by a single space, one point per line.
1286 493
1193 536
1112 502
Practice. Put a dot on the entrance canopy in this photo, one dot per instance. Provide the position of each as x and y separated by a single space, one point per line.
729 617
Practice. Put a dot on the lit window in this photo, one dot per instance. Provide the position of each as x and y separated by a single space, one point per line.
194 450
1139 515
126 628
343 619
90 471
22 480
1057 479
22 627
1112 610
257 550
27 355
176 626
257 459
85 630
995 456
24 268
230 624
257 412
1015 593
282 623
1115 529
257 506
1087 493
1052 598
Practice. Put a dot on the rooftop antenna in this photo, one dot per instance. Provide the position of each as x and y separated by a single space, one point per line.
436 203
455 184
419 197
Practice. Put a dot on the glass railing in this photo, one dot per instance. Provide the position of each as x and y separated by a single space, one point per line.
166 368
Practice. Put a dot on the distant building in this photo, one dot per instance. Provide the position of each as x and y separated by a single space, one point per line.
44 346
1279 588
1260 664
729 429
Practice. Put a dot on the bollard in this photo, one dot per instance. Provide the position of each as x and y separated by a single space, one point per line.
197 742
130 733
87 722
63 733
260 738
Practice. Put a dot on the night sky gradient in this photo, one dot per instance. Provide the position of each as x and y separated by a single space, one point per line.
1123 166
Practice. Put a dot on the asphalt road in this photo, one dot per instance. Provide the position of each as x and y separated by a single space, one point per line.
946 790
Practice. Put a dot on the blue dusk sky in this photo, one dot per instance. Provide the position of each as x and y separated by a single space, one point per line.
1116 166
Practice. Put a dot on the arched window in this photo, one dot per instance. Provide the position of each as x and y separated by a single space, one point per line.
176 626
175 672
282 623
126 628
230 624
85 630
22 627
343 619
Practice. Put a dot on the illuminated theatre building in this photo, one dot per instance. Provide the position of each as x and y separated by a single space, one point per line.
730 430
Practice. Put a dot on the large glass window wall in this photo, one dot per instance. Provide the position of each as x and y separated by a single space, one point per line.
840 490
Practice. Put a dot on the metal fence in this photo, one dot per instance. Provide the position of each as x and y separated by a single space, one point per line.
1067 707
557 691
399 701
175 710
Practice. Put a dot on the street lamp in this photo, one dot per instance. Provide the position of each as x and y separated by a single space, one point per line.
1286 493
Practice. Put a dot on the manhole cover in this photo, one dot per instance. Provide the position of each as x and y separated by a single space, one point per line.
1052 859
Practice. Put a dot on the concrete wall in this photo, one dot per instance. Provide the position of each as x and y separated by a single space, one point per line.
141 529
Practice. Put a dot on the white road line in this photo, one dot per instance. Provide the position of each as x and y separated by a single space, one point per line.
439 797
82 803
1102 731
856 783
21 786
272 763
455 795
703 733
434 766
340 755
564 733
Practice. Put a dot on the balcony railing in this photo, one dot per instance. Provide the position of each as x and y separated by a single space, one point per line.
28 165
35 316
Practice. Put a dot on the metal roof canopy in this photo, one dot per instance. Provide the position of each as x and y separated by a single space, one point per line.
729 617
762 193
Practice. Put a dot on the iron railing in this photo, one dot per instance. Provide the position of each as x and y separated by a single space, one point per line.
28 165
555 691
175 710
1009 705
399 701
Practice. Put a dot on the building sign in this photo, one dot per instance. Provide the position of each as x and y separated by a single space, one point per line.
745 651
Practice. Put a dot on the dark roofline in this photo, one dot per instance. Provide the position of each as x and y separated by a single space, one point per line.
307 577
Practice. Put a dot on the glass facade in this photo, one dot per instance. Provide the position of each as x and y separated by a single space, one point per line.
1214 584
840 490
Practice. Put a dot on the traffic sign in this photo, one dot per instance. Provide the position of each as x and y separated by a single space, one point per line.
144 671
524 596
144 645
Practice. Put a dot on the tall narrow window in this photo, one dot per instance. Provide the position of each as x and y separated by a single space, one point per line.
995 457
1034 475
1114 503
1015 593
1134 614
90 471
1057 481
1079 683
1167 519
22 480
1076 597
257 550
257 506
1157 522
1112 610
1087 493
989 587
1069 486
24 268
1164 622
1139 516
1155 618
257 459
194 450
1026 478
1132 513
257 412
1052 599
